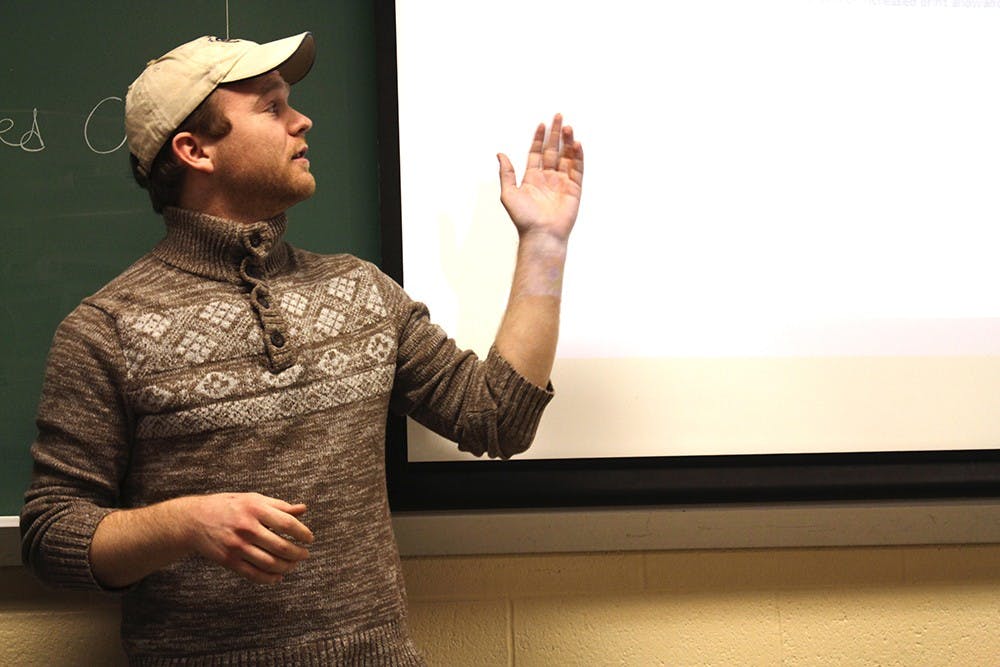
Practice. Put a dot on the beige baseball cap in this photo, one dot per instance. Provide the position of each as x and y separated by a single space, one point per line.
173 85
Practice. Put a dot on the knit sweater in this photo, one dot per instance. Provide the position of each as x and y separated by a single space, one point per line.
228 361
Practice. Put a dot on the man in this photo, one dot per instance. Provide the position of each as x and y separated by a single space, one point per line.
211 428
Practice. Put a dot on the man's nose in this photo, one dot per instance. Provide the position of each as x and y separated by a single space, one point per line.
302 123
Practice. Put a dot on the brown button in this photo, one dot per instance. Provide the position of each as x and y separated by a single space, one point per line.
277 339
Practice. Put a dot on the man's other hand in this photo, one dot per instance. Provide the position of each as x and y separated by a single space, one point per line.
260 538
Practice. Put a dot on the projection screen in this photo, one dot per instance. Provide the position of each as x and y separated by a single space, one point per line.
787 236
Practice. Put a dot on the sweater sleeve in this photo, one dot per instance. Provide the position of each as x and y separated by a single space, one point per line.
485 406
81 451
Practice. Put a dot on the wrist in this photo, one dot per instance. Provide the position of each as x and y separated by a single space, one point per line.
129 544
178 516
541 260
543 243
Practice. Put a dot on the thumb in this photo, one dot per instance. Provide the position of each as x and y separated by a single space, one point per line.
507 178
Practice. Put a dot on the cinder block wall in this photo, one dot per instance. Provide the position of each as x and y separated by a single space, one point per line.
919 606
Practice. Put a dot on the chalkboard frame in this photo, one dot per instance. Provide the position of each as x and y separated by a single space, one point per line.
639 481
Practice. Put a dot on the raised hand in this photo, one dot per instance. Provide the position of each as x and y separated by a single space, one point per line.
548 197
543 208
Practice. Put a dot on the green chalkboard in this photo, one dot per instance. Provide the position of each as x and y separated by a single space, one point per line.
72 216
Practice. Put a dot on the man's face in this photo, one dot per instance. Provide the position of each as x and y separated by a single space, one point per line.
260 165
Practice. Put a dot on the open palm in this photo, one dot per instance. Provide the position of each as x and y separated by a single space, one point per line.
548 198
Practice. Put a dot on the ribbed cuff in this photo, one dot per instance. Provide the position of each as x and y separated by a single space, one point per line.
520 403
67 548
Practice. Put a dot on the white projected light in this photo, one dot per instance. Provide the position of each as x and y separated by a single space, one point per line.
787 235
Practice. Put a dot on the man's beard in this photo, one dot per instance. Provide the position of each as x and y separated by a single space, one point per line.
267 193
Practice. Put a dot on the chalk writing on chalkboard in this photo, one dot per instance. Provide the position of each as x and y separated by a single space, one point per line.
31 140
86 127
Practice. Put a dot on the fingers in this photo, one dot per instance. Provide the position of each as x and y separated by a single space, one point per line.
537 148
550 155
279 545
571 159
258 537
281 518
559 150
264 557
248 571
272 544
259 565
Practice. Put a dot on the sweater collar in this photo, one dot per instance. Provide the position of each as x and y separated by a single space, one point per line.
214 247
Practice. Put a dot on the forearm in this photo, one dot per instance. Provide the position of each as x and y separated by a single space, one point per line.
129 545
543 208
529 330
256 536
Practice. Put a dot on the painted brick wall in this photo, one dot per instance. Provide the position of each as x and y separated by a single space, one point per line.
919 606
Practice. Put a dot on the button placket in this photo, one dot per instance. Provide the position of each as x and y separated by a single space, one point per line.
251 270
261 296
273 325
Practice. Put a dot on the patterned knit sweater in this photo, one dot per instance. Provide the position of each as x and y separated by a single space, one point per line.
228 361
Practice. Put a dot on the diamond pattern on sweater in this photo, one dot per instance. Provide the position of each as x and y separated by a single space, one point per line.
335 307
290 402
196 347
181 392
220 314
294 304
329 322
222 329
374 303
341 288
151 324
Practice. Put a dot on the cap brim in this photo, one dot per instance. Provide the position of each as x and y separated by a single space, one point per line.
292 56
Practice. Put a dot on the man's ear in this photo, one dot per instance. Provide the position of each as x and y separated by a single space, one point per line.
190 150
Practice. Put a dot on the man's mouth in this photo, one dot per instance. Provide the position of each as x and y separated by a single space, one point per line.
301 154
